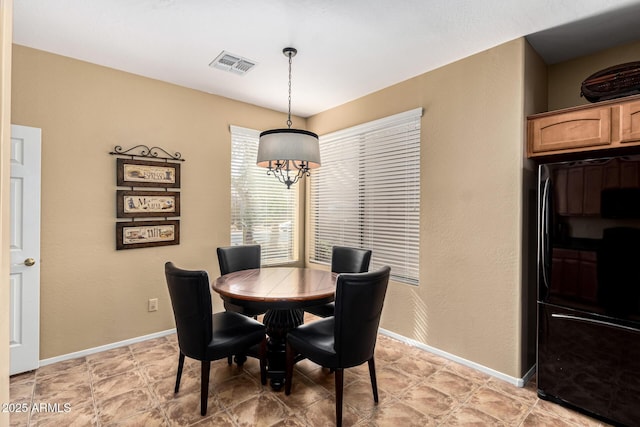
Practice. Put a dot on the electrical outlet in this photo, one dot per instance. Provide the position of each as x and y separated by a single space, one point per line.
153 304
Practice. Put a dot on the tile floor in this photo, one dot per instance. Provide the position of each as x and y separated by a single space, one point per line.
133 386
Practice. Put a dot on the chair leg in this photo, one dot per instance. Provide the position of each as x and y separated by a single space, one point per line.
230 360
262 355
204 386
240 359
374 383
180 366
339 389
290 355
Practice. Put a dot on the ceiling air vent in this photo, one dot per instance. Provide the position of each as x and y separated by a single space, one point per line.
233 63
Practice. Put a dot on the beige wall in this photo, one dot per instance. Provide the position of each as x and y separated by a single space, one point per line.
469 296
535 87
566 78
91 294
6 7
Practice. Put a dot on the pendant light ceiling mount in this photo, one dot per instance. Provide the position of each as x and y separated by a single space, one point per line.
288 154
290 52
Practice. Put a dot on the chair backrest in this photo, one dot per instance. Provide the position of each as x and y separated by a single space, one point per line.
236 258
191 302
359 301
350 260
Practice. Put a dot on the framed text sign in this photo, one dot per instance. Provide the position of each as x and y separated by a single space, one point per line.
144 234
151 201
139 204
143 173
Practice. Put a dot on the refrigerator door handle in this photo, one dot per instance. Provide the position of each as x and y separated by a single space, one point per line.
544 232
597 322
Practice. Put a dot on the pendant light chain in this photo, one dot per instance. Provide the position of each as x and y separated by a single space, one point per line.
288 154
289 122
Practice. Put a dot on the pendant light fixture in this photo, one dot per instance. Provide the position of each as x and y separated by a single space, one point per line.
288 154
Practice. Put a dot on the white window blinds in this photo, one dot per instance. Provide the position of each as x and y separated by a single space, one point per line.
367 194
263 211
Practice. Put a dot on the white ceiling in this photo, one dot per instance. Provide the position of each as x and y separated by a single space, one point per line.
346 48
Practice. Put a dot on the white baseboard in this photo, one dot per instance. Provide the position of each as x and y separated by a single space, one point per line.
519 382
105 347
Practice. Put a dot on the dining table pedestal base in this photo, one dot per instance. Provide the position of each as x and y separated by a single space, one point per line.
279 323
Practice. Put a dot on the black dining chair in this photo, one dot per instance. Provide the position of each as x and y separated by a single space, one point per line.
205 336
343 260
346 339
236 258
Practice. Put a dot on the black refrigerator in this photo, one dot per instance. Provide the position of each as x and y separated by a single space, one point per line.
588 354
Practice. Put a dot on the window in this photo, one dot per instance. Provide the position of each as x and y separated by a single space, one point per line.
263 211
367 194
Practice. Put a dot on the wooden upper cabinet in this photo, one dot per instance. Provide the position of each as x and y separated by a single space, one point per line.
603 125
630 122
575 129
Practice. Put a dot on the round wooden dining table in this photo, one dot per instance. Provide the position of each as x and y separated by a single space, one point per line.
284 292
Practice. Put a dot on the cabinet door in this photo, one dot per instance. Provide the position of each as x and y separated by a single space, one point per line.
630 122
571 130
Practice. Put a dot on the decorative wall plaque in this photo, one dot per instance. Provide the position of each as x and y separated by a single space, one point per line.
140 204
144 234
163 172
143 173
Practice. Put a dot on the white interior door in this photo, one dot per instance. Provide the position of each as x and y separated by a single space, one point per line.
25 249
